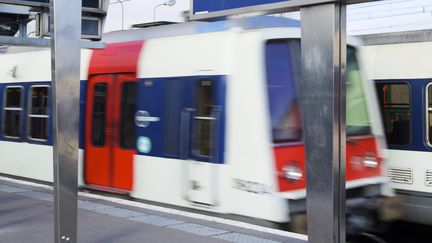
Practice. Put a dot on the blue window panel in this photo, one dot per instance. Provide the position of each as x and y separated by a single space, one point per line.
24 126
159 98
149 139
173 106
24 116
282 69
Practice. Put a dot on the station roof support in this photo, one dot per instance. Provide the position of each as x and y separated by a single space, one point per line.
323 100
65 61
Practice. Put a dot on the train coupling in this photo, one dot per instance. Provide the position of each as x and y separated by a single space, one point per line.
373 215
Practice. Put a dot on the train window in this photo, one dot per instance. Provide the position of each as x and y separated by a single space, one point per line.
204 119
12 111
173 108
395 108
283 68
38 113
99 114
429 113
357 118
127 122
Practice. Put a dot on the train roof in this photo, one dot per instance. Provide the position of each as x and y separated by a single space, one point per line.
397 37
199 27
180 29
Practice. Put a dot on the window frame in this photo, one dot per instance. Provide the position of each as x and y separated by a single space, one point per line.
410 141
427 109
365 90
290 141
30 115
21 109
198 117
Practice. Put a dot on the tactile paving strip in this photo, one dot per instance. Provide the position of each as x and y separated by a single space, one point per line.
117 212
156 220
91 205
242 238
198 229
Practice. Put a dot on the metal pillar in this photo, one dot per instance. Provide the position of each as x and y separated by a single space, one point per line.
65 59
323 88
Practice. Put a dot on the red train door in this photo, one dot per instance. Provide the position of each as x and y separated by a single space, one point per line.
110 131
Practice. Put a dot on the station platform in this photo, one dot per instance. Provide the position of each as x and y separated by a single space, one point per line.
27 214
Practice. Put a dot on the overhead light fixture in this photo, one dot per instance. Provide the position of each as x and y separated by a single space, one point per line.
168 3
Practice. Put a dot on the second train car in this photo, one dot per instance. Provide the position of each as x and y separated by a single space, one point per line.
400 65
198 115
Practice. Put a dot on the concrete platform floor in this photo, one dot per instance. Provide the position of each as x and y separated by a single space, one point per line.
26 215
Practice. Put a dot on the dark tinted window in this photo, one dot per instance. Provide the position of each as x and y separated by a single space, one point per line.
395 108
13 97
204 119
90 3
90 27
283 67
99 114
38 113
12 112
127 122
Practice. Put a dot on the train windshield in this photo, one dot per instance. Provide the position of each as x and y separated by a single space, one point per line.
283 70
283 66
357 118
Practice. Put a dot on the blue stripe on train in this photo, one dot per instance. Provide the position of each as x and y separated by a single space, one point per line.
156 102
23 126
163 100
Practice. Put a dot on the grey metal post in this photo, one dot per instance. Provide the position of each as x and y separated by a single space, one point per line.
65 54
323 88
23 30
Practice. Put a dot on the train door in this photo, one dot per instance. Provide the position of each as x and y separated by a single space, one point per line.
183 119
110 131
205 139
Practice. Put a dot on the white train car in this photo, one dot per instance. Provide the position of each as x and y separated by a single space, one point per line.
400 65
198 115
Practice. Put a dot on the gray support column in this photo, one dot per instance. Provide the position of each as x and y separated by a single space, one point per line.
323 92
65 54
22 30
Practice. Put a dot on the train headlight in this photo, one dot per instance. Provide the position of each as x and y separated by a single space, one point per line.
370 162
292 172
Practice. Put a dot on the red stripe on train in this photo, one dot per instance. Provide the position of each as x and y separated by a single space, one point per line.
116 58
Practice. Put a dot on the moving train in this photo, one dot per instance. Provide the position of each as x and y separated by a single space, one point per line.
403 77
198 115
